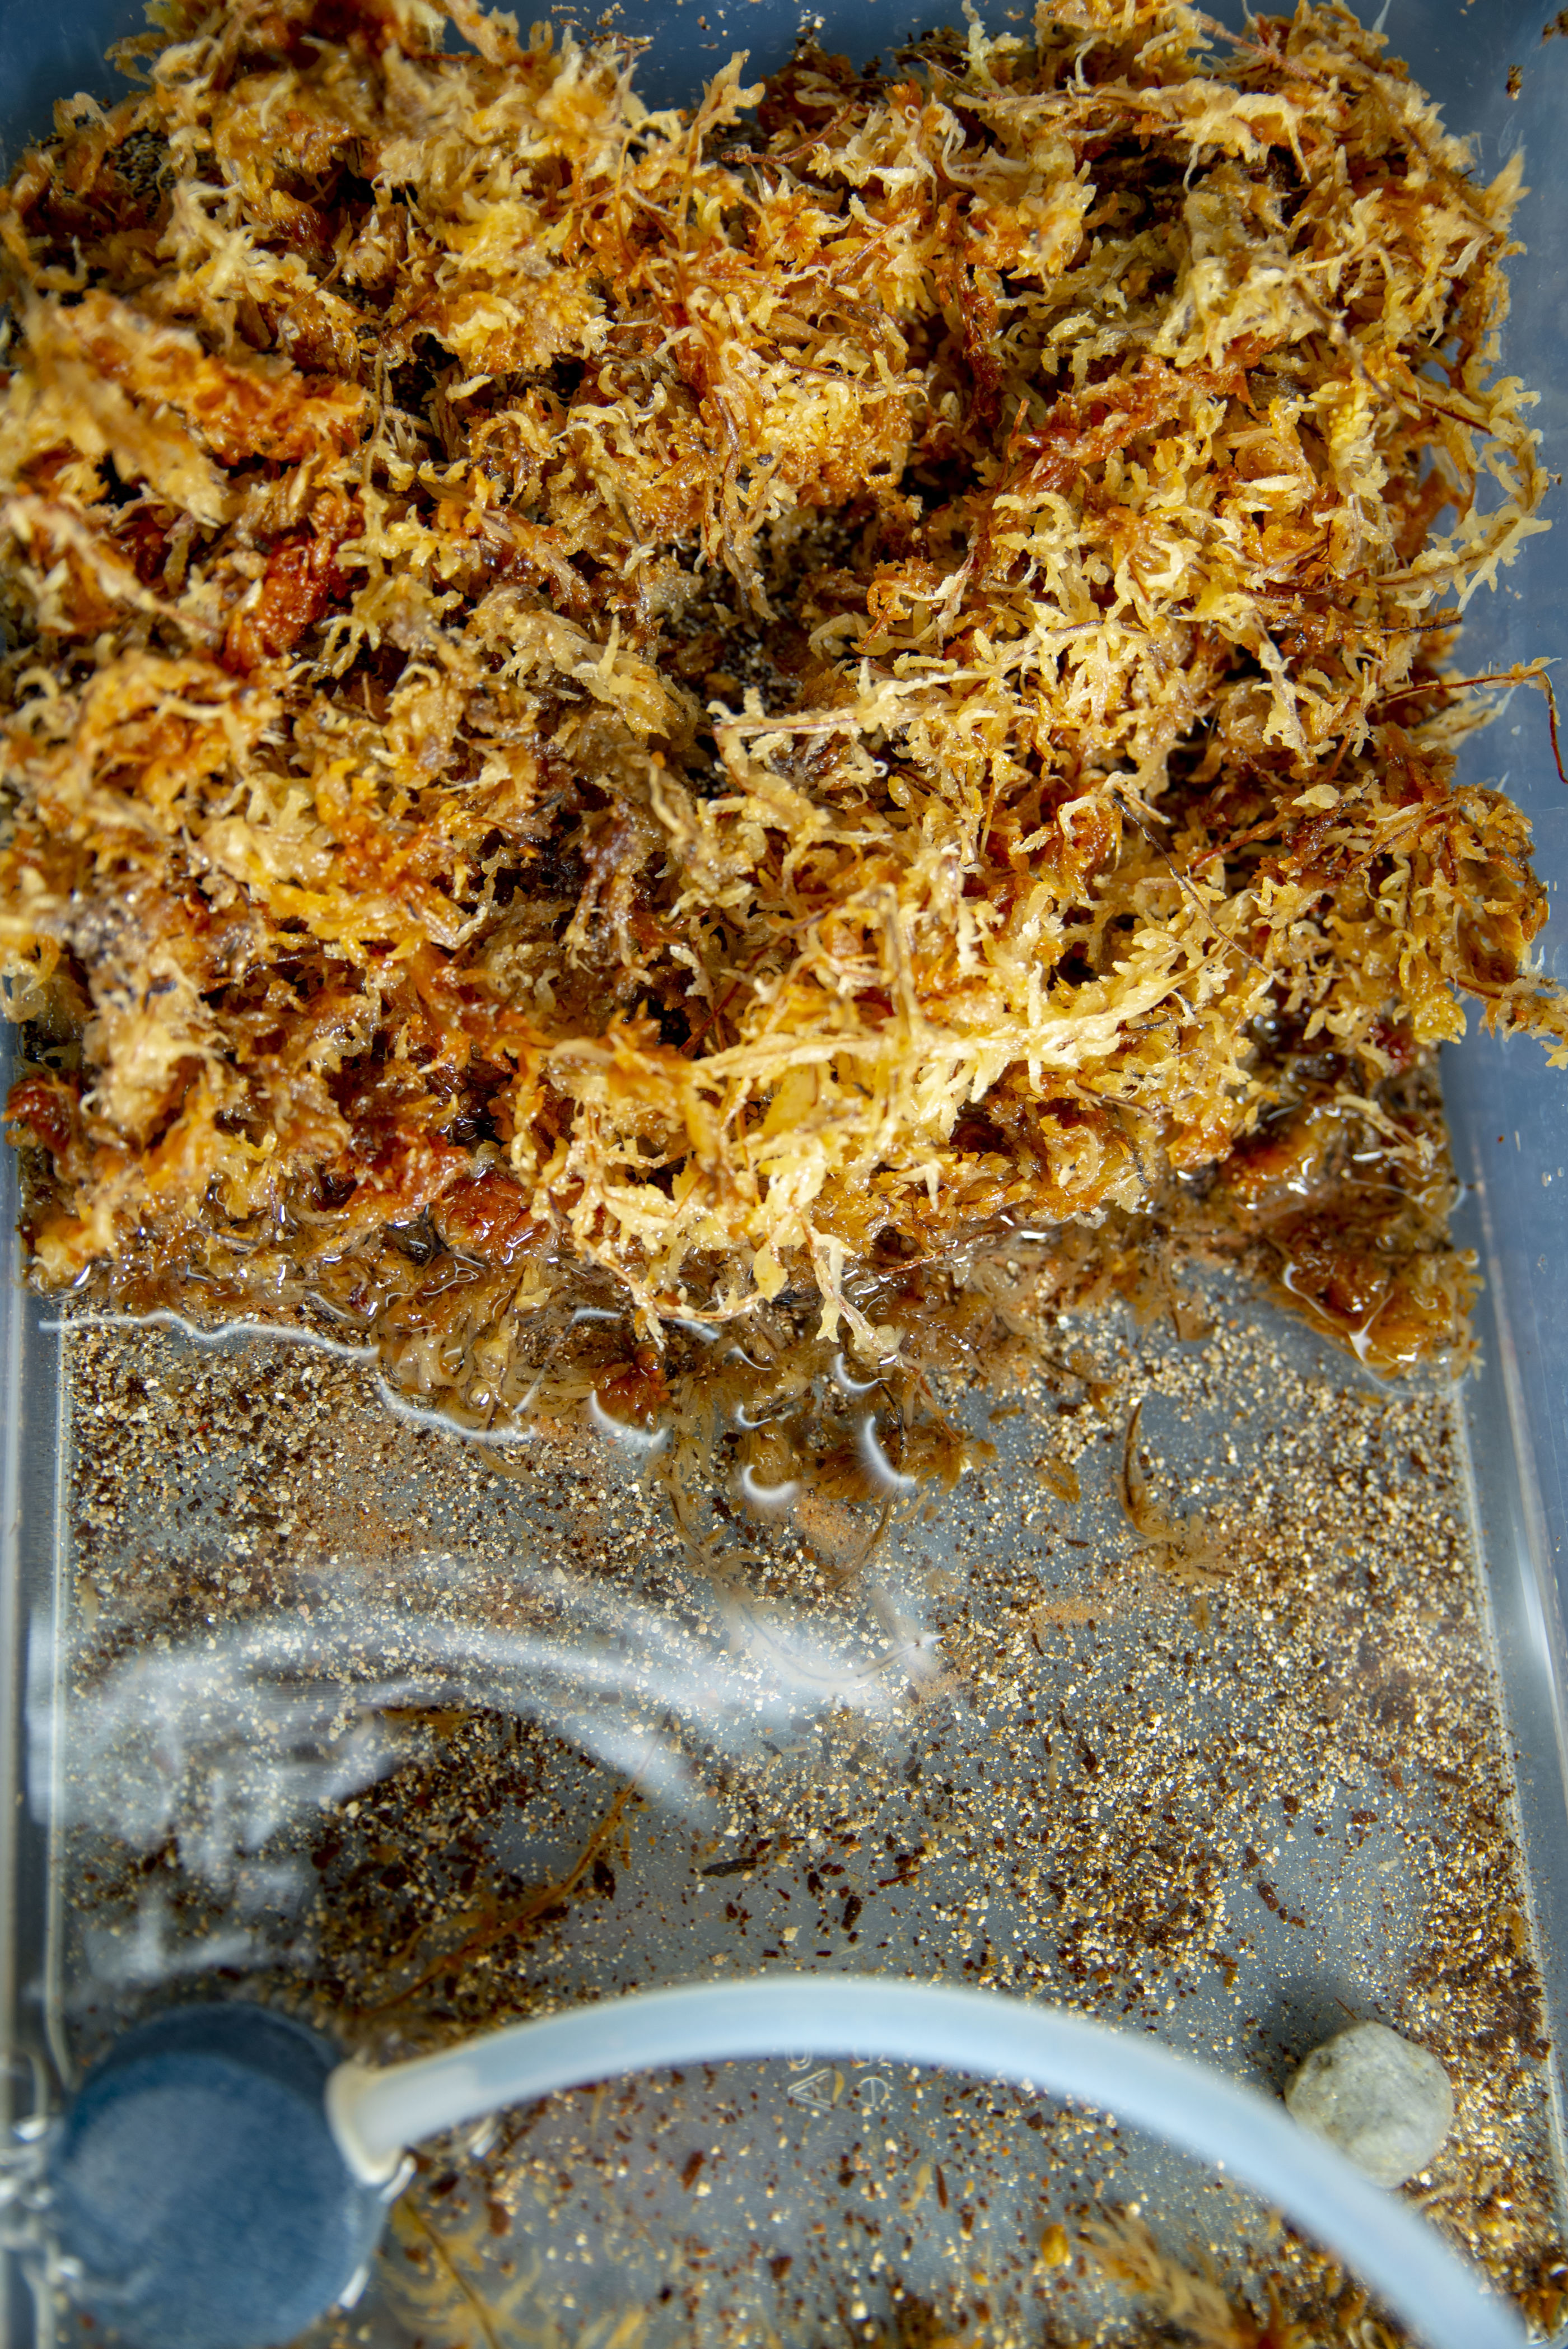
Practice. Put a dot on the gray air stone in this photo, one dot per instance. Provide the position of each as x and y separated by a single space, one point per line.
1384 2103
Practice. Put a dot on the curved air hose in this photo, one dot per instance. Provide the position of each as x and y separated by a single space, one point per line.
375 2114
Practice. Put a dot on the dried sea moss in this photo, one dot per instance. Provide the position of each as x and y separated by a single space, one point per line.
723 702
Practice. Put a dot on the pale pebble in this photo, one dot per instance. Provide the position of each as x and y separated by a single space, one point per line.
1386 2102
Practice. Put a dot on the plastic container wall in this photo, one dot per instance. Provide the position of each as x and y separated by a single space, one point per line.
1510 1114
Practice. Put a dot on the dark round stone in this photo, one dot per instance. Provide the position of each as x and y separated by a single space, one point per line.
197 2182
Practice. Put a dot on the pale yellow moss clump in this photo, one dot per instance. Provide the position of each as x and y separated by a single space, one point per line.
708 695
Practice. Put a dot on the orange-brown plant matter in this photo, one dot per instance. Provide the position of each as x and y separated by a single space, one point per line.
710 700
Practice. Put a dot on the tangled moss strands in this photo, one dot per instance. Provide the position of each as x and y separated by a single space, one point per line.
697 710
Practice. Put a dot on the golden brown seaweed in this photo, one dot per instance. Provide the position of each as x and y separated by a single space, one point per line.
721 698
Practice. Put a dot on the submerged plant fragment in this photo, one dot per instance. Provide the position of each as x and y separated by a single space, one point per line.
727 704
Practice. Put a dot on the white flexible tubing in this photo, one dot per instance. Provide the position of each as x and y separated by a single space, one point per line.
375 2114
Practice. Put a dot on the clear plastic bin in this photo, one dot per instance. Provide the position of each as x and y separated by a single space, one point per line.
1219 1811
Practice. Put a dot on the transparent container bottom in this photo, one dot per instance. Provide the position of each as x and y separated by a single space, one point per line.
1187 1710
307 1703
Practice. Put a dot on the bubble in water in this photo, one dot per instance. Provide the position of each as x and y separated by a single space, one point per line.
218 1743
